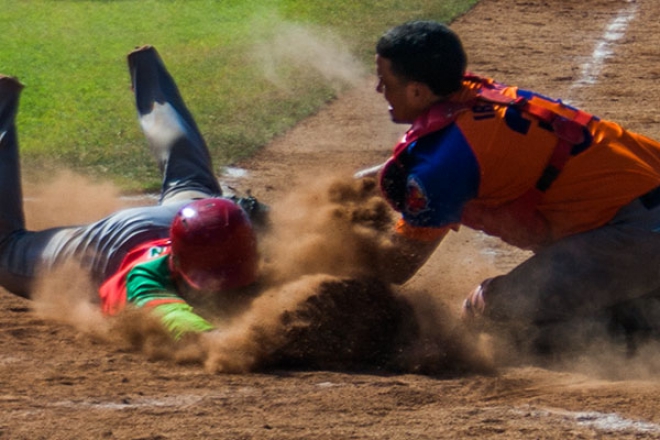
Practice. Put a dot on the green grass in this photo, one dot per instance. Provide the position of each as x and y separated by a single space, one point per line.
247 69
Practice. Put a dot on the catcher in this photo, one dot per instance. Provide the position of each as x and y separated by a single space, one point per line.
581 192
194 242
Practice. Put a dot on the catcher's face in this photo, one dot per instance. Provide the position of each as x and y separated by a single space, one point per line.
407 99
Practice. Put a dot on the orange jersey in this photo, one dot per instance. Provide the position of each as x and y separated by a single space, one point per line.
511 149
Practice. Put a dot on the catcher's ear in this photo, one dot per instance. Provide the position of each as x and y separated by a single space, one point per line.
421 94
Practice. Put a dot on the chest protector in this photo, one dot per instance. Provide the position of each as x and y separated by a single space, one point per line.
517 222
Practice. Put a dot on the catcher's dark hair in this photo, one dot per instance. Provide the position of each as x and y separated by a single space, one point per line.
425 51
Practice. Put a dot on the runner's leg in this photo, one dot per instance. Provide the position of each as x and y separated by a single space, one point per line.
11 195
170 129
21 252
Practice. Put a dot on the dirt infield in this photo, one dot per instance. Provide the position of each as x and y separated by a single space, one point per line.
78 377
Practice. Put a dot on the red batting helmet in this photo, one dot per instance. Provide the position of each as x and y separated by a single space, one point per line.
213 245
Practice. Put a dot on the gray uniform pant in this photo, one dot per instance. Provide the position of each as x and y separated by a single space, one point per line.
181 153
586 273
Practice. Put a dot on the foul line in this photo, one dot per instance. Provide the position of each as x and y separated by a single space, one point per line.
607 422
615 31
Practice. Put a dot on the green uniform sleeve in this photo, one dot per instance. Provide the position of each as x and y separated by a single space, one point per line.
179 319
150 284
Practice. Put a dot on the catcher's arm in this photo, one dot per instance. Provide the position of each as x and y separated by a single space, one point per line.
411 246
409 251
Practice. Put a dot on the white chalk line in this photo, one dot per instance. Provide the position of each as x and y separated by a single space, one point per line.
597 420
171 401
605 422
604 49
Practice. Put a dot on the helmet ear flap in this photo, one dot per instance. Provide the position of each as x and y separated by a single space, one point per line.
174 263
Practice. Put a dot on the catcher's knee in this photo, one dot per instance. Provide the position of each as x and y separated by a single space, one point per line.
474 306
494 302
489 303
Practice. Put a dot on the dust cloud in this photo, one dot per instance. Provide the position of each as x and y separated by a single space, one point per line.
319 303
333 226
67 295
284 47
68 199
325 306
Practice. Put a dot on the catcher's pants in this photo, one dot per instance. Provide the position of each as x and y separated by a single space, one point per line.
181 153
586 272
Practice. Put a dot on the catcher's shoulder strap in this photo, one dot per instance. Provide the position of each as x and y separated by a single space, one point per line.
435 119
443 113
570 131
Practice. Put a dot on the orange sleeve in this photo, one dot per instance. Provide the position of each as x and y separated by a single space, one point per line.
422 234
